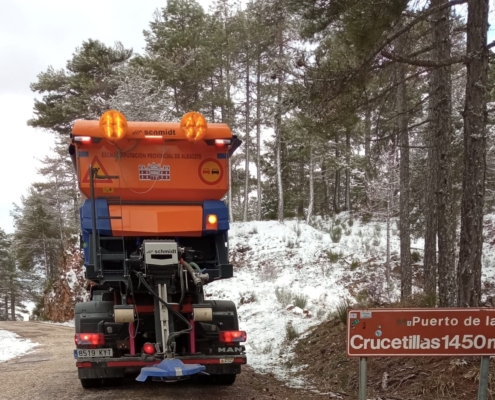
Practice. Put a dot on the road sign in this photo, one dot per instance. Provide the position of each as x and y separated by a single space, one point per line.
421 332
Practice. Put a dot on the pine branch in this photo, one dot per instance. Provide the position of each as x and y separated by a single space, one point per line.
425 63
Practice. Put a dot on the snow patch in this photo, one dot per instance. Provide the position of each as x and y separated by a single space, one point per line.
11 345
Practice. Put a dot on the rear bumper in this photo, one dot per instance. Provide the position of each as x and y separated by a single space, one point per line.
133 362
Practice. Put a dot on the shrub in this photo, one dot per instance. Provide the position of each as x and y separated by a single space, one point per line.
297 229
268 273
283 296
336 234
253 230
300 301
350 222
415 256
248 297
366 217
354 264
290 332
333 257
342 308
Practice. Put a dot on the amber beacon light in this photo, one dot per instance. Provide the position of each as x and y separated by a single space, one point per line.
194 126
113 124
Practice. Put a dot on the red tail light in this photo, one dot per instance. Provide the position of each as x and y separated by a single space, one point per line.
222 142
94 339
84 139
232 336
148 348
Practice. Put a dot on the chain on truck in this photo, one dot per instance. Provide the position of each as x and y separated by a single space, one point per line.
154 232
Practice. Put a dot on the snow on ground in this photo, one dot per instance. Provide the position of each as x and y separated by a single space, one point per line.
70 323
293 274
11 345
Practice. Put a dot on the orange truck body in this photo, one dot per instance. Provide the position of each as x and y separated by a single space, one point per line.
154 179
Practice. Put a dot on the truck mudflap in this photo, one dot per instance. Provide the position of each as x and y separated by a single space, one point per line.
133 362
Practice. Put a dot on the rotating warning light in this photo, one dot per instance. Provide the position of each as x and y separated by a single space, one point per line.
194 126
113 124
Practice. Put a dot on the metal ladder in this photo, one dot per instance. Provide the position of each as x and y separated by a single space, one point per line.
96 238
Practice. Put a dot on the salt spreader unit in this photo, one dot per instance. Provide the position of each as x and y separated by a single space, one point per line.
154 231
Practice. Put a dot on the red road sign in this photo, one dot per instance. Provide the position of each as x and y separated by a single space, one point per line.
420 332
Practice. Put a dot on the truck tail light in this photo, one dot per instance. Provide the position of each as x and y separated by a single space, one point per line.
94 339
148 348
222 142
232 336
84 139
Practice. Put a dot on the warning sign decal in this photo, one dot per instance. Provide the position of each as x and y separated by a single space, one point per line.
210 171
96 163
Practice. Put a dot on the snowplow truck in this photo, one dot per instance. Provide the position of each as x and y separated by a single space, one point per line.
154 233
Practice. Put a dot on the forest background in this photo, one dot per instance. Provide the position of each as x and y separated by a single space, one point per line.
382 109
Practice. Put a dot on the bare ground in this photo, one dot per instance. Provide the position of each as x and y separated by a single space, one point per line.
49 372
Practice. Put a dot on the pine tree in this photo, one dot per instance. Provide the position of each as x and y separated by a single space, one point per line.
82 90
475 120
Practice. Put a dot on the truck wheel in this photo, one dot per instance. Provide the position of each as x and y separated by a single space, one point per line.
90 383
226 379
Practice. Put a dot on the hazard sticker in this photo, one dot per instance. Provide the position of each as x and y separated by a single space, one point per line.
101 171
210 171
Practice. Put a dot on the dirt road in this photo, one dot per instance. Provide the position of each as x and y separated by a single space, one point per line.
49 372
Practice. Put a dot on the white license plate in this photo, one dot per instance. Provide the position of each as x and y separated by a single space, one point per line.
84 353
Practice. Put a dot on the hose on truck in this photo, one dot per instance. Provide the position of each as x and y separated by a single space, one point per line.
193 264
169 307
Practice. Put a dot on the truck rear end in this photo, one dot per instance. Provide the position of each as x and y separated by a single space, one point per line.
154 231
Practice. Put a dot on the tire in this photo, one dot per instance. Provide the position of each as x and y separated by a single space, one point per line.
227 379
91 383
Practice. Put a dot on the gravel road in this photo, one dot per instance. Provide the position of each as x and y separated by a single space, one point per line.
49 372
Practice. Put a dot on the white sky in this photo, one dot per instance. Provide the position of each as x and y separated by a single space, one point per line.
34 35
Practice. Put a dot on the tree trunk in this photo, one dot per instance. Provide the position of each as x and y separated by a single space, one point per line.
326 188
473 183
12 304
348 170
6 299
442 108
311 185
231 216
367 155
430 250
404 223
336 191
390 207
278 133
246 145
258 135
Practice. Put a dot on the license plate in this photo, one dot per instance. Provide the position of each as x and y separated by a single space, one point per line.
93 353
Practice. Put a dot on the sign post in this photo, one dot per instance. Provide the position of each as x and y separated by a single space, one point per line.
362 378
484 370
421 332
